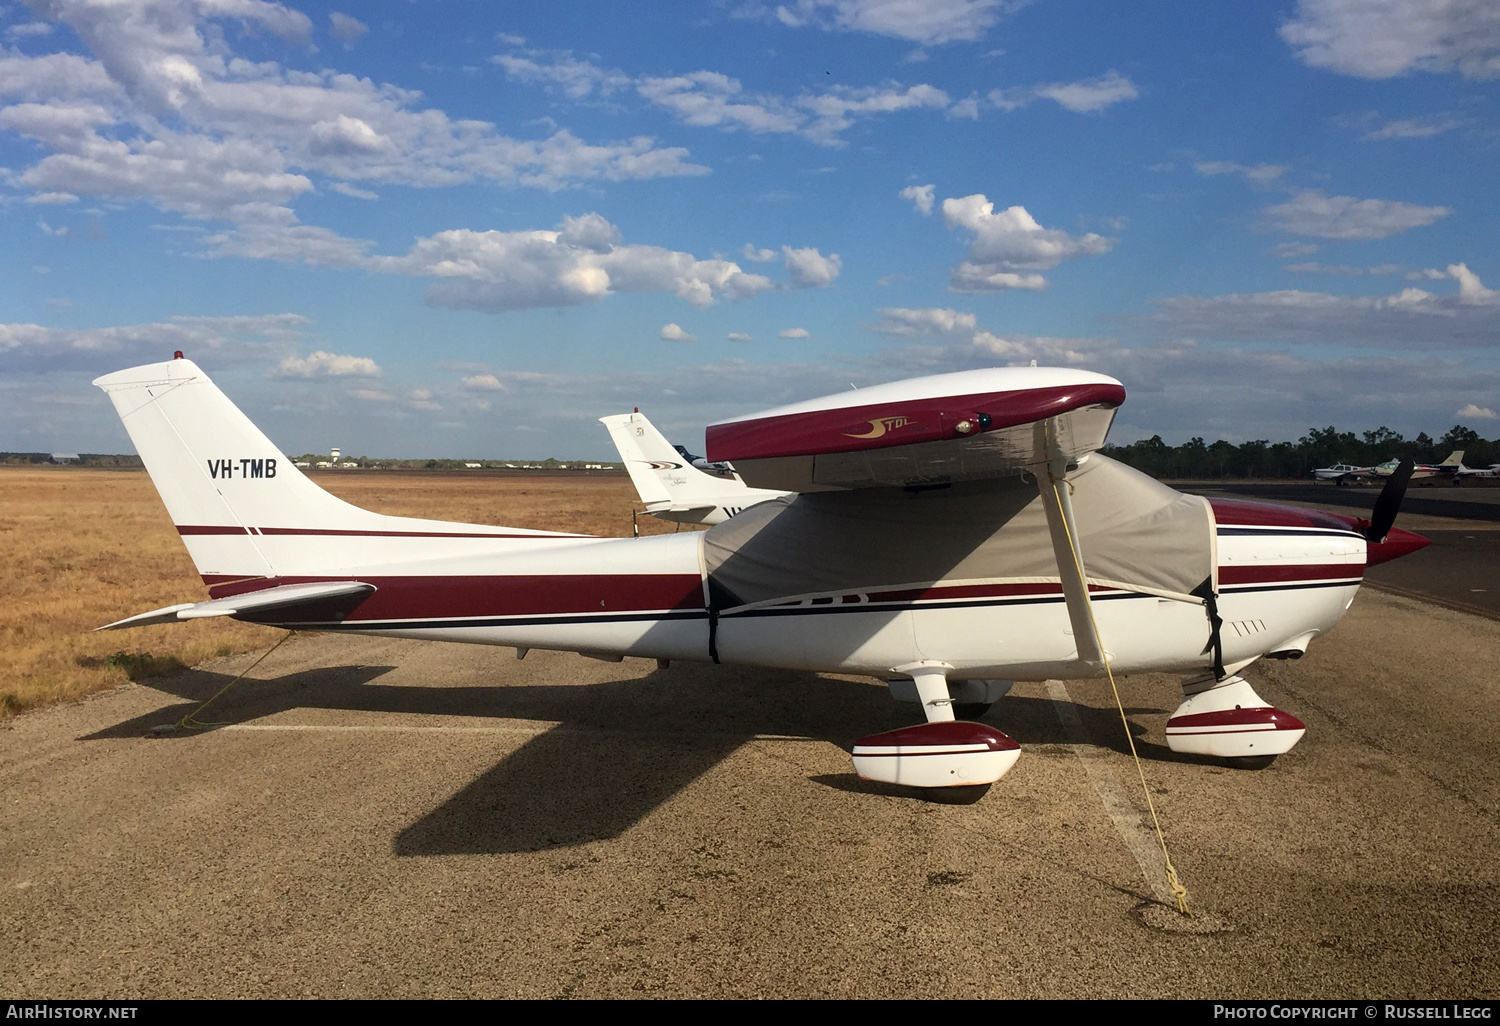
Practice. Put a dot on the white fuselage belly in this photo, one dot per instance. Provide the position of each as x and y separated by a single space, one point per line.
644 597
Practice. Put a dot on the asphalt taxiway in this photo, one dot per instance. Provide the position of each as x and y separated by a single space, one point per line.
379 818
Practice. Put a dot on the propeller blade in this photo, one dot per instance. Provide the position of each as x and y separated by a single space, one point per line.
1389 503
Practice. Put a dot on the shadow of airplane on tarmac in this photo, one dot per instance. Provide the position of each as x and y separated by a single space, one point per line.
621 747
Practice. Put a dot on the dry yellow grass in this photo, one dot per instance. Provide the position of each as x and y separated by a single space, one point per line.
85 547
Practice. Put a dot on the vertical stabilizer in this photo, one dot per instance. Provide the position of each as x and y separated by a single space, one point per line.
243 509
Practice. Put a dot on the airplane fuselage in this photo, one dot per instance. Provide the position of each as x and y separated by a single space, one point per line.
1284 576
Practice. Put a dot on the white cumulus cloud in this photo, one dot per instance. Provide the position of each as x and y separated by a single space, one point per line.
1315 213
739 336
1412 319
483 383
809 269
794 333
1010 247
326 365
346 28
1478 412
711 99
1258 174
164 111
581 260
1413 128
1383 38
561 70
906 323
673 333
24 346
1086 96
921 197
930 22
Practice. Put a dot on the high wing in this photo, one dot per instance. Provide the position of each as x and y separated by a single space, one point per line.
966 426
960 481
667 482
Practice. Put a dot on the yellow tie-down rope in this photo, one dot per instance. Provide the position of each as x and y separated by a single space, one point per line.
191 721
1178 890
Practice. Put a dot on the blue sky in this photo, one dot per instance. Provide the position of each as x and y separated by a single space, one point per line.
462 228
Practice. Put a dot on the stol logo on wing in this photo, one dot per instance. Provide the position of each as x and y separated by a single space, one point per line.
879 427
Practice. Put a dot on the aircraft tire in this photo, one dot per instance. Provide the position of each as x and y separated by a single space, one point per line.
967 795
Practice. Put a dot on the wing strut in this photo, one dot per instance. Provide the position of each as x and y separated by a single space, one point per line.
1058 503
1051 482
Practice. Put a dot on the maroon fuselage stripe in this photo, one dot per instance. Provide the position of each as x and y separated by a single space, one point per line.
413 598
433 597
962 591
318 532
1244 513
1249 574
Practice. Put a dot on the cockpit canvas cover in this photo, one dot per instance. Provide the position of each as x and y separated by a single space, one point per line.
1135 534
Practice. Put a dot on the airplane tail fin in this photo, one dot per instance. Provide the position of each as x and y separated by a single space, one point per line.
242 508
1455 459
659 472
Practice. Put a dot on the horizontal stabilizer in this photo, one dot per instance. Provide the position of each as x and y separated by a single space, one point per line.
251 601
966 426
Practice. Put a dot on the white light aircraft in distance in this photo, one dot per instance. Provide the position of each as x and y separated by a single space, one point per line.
1490 473
668 483
948 534
1343 473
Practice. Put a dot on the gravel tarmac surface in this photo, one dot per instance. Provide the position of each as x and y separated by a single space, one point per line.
384 818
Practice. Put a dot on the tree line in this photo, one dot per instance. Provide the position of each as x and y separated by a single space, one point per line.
1320 447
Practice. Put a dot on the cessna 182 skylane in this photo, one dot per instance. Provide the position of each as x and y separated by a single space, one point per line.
945 532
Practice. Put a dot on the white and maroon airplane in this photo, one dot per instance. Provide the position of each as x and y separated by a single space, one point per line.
949 534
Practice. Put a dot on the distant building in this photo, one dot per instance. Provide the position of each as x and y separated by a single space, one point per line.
65 457
473 466
334 454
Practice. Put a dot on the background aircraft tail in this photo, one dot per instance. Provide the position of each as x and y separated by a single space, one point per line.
660 473
1455 459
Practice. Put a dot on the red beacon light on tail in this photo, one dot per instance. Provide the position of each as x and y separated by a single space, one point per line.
177 354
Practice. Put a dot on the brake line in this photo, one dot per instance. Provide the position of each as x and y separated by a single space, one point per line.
1179 892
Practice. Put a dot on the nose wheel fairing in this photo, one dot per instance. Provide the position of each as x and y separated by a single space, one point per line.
1229 720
